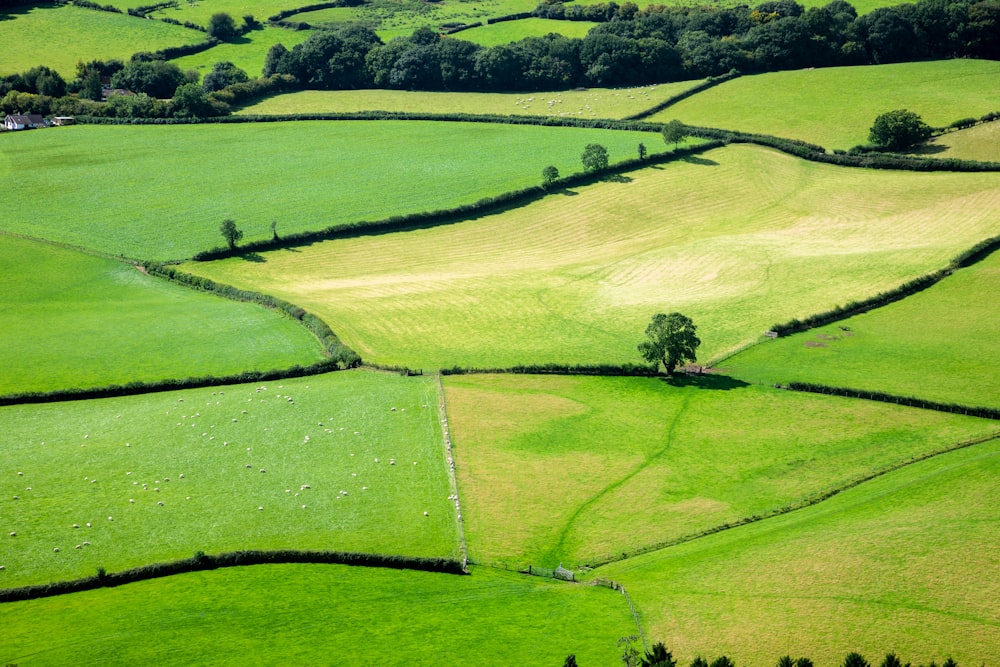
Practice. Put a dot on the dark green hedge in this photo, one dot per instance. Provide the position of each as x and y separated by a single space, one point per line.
627 370
967 258
710 82
201 561
912 401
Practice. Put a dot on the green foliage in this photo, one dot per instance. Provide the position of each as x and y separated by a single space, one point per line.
549 176
674 133
658 656
898 129
230 232
642 151
723 661
222 26
594 157
630 653
156 78
570 660
190 101
854 659
891 660
672 341
223 74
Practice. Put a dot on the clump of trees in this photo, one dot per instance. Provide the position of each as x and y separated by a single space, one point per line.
659 656
899 129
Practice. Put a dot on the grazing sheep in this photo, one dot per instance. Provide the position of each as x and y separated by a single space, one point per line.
76 525
160 503
260 509
56 550
13 534
110 518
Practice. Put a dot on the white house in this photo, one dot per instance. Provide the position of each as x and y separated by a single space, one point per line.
23 121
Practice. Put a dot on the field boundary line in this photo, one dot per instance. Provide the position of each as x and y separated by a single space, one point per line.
202 561
93 252
882 397
452 480
808 501
710 82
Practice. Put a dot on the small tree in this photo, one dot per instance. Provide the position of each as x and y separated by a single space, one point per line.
595 157
642 151
658 656
672 341
549 176
570 660
723 661
222 26
855 659
630 654
699 662
899 129
891 660
231 233
674 133
274 230
803 662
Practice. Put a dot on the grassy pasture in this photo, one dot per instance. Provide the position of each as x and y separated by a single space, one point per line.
575 469
591 103
60 36
323 614
203 453
512 31
862 6
247 53
981 142
68 319
142 190
737 238
940 344
200 11
835 107
896 564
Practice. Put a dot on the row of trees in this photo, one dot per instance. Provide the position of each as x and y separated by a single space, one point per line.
655 44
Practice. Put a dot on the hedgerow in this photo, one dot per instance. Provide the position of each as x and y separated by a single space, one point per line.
911 401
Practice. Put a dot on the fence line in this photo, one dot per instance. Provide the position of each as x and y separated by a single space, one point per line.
614 585
452 481
732 352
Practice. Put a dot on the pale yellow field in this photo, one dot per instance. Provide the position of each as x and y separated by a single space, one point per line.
981 142
591 103
738 239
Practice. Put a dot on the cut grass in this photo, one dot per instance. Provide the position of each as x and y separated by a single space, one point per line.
59 37
939 345
143 190
737 238
203 453
981 142
591 103
896 564
836 106
73 320
323 614
513 31
579 470
247 53
200 11
862 6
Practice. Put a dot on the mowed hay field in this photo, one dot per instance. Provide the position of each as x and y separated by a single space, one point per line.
315 453
581 470
511 31
58 37
248 52
835 107
161 192
939 345
68 319
902 563
738 238
323 614
590 103
981 142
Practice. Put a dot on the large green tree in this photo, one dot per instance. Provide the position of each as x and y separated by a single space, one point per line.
595 157
222 26
671 341
898 129
674 133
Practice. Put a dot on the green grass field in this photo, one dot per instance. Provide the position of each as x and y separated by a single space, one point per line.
512 31
862 6
578 470
247 53
835 107
143 190
58 37
68 319
590 103
323 614
200 11
327 444
897 564
737 238
981 142
940 345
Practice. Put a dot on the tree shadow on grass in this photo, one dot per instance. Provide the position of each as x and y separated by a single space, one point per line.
927 149
617 178
694 159
254 257
567 192
706 381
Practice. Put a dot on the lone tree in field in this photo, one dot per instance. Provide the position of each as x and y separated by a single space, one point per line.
231 233
595 157
549 176
222 26
642 151
672 341
674 133
658 656
899 129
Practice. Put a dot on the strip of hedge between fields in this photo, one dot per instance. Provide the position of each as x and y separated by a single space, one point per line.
881 396
201 561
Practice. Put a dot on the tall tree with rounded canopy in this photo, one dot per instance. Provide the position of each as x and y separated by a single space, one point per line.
231 233
672 341
899 129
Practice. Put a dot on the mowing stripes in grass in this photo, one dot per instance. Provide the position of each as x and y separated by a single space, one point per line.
350 461
323 614
737 238
579 470
896 564
70 320
143 190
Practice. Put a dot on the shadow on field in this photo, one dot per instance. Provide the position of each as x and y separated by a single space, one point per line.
254 257
927 149
569 193
617 178
694 159
710 381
